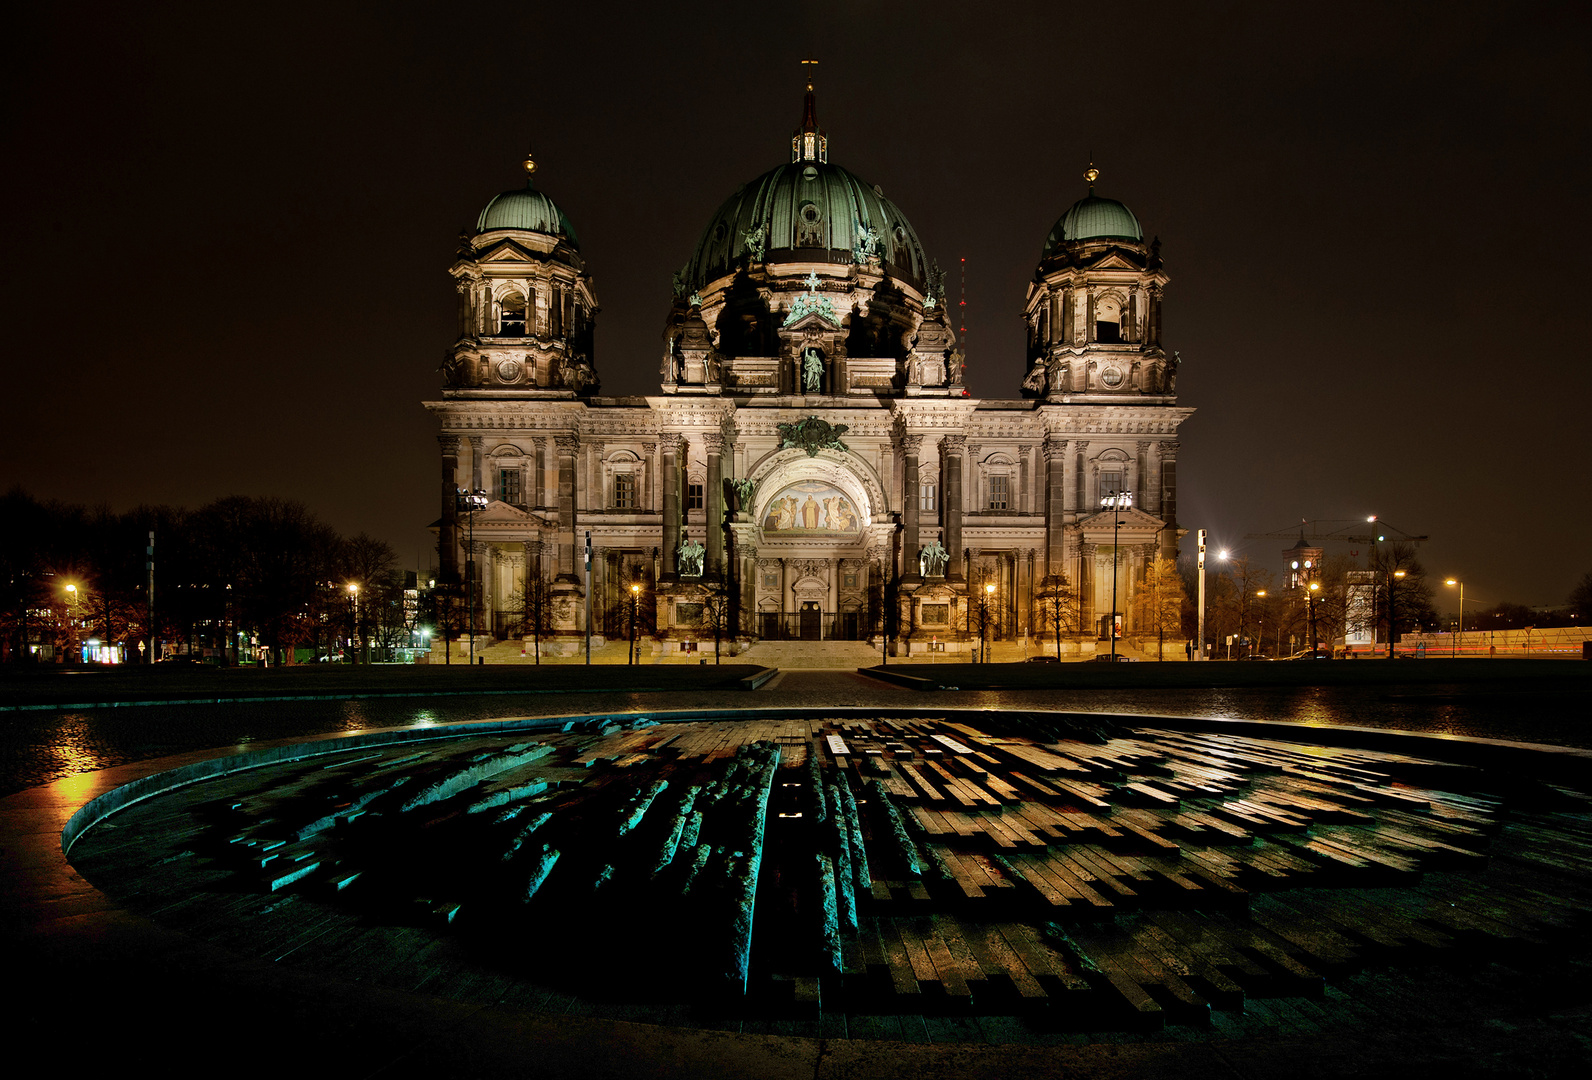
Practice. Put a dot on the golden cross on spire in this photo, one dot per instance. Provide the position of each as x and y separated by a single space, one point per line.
809 71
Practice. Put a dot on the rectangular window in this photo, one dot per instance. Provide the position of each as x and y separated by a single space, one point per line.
1000 495
1110 483
624 491
693 497
926 497
509 485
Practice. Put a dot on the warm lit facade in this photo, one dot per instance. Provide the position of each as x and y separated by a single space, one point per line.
811 449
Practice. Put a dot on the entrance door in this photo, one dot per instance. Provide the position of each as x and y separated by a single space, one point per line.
812 621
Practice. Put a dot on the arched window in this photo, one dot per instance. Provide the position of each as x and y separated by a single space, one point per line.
511 315
1108 320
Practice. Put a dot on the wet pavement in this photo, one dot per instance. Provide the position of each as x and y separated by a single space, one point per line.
41 746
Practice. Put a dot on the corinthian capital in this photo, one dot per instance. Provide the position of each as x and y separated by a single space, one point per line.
954 444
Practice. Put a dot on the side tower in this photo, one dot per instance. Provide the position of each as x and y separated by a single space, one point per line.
1107 394
515 384
526 309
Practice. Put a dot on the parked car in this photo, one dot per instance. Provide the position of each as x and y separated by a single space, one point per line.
1311 654
1044 660
1106 658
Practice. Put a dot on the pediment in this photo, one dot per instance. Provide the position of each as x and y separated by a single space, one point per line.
1133 520
814 320
1114 261
501 513
508 251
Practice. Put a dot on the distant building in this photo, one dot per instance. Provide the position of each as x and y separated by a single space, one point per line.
811 453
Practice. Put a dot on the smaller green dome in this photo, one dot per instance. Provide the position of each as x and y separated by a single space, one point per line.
528 209
1093 218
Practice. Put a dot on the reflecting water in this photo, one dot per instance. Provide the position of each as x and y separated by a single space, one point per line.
37 748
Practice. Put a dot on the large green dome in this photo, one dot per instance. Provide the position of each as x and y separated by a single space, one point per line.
1093 218
806 211
527 209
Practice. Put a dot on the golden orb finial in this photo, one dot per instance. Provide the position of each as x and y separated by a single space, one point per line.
1091 174
529 165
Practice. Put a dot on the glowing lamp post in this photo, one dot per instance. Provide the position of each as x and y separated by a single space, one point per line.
635 601
470 502
983 618
71 621
1392 627
353 629
1120 501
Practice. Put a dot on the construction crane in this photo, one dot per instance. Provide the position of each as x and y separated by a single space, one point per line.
1320 533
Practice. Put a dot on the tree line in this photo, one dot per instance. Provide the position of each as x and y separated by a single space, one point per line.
238 576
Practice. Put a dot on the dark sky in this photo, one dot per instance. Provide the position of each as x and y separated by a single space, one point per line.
228 229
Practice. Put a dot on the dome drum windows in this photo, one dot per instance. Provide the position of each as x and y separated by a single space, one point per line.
809 226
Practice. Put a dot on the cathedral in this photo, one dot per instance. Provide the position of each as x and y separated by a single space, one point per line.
811 466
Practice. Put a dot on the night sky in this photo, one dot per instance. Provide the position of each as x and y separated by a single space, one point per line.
228 229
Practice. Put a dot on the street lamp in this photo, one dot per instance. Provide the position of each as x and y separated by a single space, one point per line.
1118 501
1260 625
635 600
983 617
1454 651
1392 626
71 620
470 502
1310 595
353 630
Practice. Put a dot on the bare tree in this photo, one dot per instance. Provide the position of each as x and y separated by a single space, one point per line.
1160 601
1059 610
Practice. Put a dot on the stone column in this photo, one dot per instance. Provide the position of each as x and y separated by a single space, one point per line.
714 502
646 496
1168 455
539 467
672 446
1023 501
591 477
476 443
953 445
448 543
1086 612
910 445
1078 490
1055 505
568 571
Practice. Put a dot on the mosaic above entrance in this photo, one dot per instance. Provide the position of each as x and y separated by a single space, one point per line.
811 508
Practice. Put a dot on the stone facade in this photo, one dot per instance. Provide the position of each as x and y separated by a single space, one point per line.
812 464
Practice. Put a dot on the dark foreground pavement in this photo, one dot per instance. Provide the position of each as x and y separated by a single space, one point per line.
104 989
